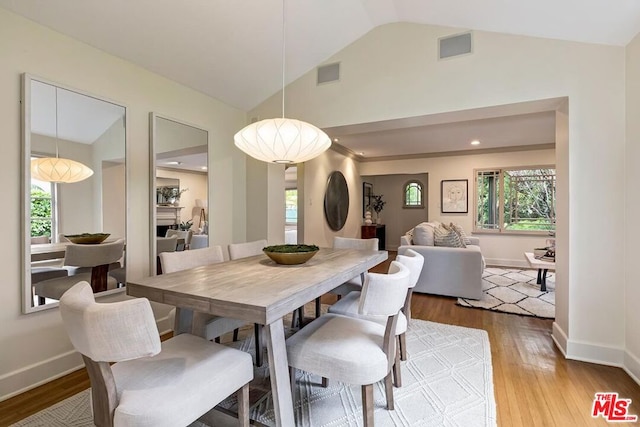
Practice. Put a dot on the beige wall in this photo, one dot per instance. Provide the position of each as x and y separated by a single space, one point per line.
194 182
392 72
632 211
497 249
35 347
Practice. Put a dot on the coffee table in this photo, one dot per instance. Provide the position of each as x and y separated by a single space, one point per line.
542 266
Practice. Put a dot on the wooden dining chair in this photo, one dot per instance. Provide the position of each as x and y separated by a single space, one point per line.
349 306
204 325
353 350
244 250
151 383
90 263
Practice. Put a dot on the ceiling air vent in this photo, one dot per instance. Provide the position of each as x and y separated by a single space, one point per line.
328 73
459 44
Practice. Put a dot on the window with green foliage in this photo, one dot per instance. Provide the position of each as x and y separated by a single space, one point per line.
291 206
516 200
42 209
413 195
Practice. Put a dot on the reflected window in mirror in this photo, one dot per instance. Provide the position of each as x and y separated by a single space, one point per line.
179 203
64 123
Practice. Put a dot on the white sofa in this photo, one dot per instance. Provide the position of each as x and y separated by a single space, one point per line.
455 272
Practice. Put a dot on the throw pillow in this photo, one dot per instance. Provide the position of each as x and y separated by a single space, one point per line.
447 236
423 234
461 232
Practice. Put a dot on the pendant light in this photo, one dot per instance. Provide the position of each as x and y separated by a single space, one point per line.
56 169
282 140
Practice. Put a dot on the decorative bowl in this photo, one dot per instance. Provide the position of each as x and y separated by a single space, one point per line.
539 252
87 238
290 254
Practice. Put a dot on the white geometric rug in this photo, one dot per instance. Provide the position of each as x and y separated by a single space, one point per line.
515 291
447 381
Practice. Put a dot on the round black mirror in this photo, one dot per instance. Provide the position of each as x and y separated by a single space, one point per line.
336 201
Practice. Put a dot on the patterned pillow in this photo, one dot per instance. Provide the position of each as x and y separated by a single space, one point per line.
461 233
447 236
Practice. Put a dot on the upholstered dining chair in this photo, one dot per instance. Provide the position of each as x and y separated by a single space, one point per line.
349 306
80 258
244 250
152 383
353 350
205 325
164 244
181 234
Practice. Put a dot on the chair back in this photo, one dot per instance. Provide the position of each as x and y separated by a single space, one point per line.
111 332
384 294
351 243
182 234
244 250
414 261
93 255
177 261
166 244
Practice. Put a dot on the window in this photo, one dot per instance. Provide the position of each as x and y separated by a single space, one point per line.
516 200
43 209
413 195
291 206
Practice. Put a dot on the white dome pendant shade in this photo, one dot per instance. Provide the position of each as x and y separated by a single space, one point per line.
55 169
282 140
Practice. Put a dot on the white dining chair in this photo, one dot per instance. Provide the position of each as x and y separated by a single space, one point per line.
151 383
181 234
349 306
90 263
244 250
353 350
204 325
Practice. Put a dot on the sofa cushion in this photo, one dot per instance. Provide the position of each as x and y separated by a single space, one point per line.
461 233
423 234
447 236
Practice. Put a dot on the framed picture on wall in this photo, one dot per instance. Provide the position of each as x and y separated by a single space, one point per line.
454 196
367 192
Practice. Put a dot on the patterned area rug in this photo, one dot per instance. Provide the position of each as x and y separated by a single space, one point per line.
447 380
515 291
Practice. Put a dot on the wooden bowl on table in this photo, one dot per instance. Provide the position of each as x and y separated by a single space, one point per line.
87 238
290 254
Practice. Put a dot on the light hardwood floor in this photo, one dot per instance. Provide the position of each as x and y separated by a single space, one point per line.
534 384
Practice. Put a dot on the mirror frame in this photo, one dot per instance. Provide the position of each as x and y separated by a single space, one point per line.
25 201
153 137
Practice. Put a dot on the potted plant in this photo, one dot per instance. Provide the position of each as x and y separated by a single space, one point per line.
185 226
377 204
172 195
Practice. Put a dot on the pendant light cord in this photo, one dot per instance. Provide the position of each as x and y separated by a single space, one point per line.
284 51
56 92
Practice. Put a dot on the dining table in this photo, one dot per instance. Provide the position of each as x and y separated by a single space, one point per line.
257 290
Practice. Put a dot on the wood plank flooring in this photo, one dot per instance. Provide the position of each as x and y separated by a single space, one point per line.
534 384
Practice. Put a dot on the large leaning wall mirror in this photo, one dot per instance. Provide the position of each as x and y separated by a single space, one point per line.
179 187
74 192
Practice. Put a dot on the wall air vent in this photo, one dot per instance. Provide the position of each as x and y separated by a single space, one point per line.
456 45
328 73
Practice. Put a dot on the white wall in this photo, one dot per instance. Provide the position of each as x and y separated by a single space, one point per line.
35 347
632 202
497 249
392 72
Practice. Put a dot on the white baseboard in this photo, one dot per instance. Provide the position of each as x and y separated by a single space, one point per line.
29 377
593 353
503 262
632 366
559 338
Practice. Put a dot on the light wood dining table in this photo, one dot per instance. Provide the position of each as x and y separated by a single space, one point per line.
257 290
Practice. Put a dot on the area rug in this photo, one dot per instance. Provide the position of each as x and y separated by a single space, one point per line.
515 291
447 380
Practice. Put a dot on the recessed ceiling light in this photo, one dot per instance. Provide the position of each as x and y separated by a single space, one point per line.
173 163
360 153
475 142
204 168
336 140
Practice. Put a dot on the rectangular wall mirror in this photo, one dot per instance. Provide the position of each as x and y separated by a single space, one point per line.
64 132
179 187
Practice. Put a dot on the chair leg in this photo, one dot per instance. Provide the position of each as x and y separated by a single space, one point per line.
367 405
217 340
294 317
402 341
243 405
318 307
292 378
397 375
325 382
235 334
257 330
388 388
